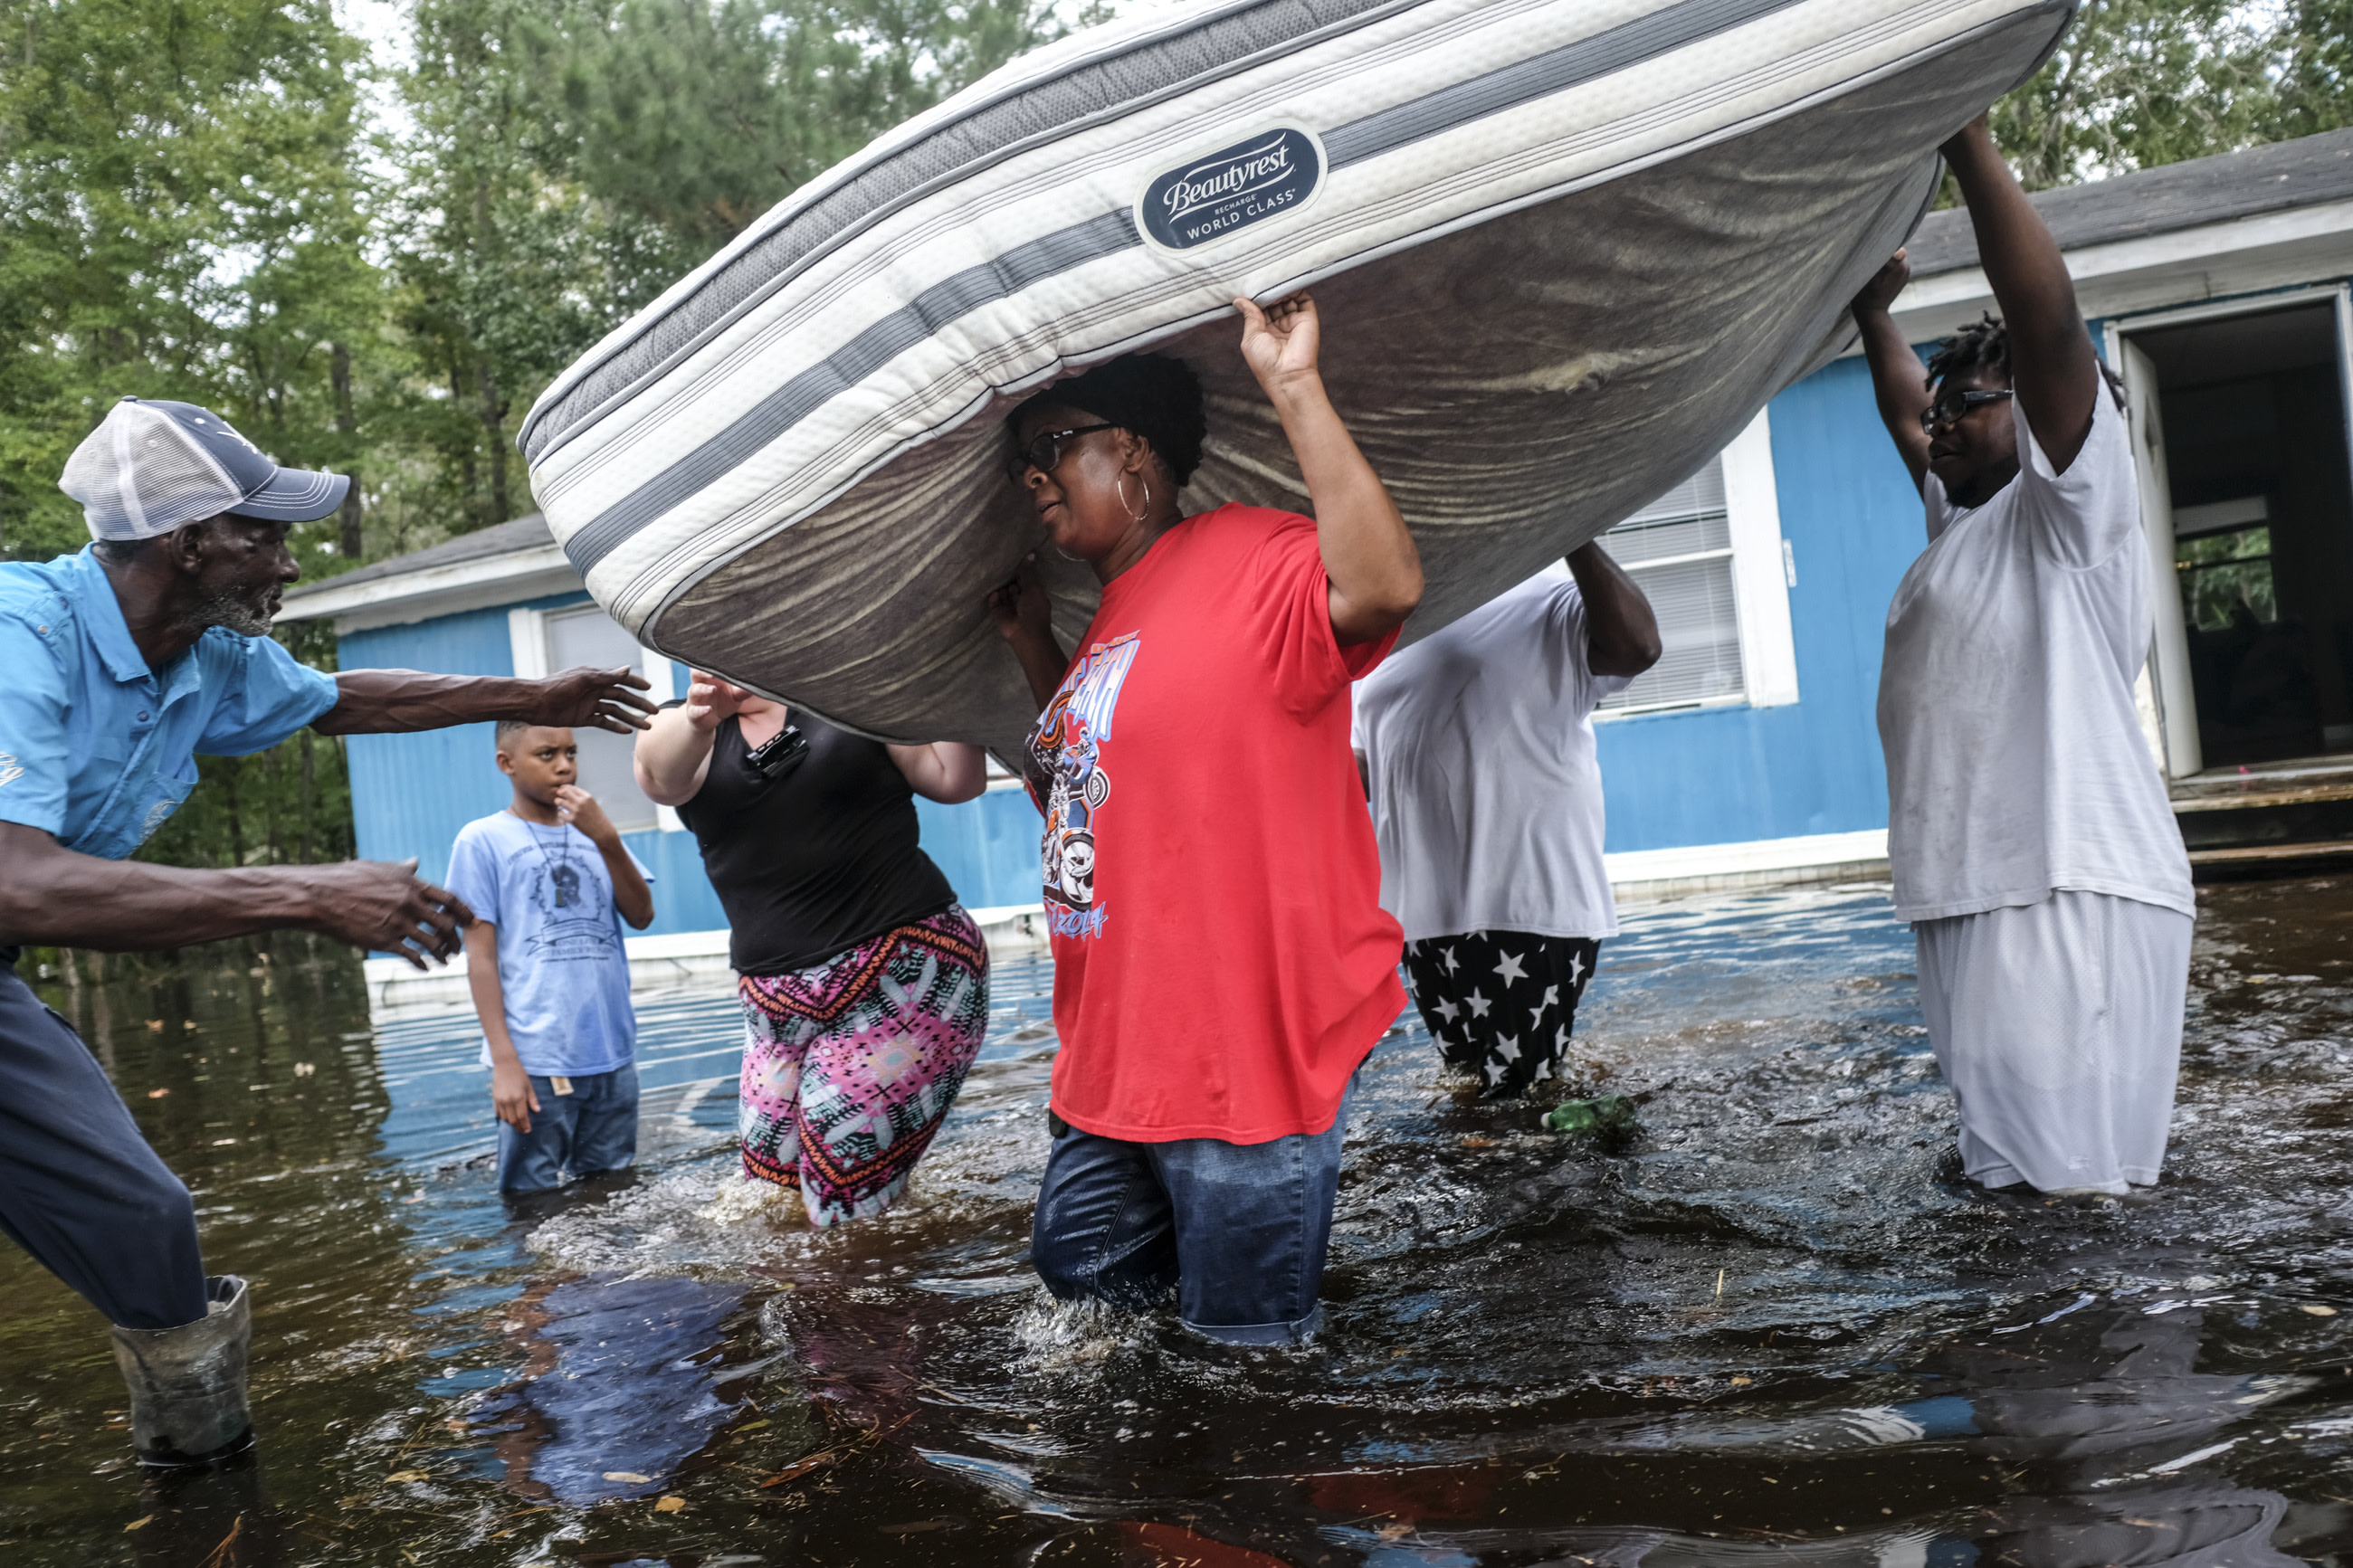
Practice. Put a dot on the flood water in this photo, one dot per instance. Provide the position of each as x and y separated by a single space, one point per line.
1774 1326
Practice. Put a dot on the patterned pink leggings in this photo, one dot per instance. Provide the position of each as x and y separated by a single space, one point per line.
849 1066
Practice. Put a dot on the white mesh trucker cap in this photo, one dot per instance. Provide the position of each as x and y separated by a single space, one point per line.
152 467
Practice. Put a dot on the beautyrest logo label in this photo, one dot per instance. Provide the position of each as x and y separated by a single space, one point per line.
1273 172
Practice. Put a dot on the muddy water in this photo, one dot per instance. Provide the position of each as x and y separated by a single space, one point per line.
1773 1326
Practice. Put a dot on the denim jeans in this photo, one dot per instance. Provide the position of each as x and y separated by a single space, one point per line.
1239 1230
593 1129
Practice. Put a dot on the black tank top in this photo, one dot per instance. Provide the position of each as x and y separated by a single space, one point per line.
812 864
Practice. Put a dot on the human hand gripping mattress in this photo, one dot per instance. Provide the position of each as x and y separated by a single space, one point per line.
1563 252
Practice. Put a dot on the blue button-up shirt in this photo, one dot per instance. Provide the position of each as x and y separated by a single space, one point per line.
98 749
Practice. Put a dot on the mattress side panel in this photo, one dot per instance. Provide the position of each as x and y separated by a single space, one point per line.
1578 357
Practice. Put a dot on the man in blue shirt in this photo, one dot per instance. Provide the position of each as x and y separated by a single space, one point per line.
123 663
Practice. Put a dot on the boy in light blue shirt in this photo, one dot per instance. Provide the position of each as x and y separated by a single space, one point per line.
550 882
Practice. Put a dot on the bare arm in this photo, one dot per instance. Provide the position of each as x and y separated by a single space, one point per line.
582 810
51 895
1896 377
2052 364
380 702
1024 616
672 758
949 772
1374 569
512 1095
1622 634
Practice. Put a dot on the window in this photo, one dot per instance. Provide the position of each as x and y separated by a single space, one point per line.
2222 555
1679 550
1710 557
546 641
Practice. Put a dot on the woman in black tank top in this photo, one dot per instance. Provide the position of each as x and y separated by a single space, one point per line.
808 834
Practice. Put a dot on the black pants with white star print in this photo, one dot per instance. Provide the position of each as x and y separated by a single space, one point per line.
1500 1004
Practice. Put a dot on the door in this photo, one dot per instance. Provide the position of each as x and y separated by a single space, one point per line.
2171 693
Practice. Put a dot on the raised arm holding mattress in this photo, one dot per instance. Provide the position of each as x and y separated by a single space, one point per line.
2030 841
1222 964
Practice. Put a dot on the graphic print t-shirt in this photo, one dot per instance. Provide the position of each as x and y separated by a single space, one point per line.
561 963
1221 960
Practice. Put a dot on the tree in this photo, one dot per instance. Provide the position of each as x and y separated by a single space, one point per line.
2316 75
179 217
699 115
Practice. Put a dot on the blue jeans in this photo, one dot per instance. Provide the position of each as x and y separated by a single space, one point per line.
1239 1230
593 1129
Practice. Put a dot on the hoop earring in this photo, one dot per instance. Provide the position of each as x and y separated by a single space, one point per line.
1140 513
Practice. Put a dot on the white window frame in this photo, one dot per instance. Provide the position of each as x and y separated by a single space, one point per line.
1764 570
527 645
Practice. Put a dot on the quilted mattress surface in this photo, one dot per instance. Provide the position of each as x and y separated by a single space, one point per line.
1562 250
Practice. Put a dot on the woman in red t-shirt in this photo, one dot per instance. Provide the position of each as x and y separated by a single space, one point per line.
1221 960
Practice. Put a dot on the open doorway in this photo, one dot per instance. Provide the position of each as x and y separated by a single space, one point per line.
2253 463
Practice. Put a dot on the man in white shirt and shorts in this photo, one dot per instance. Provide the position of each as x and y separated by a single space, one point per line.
1477 748
2031 843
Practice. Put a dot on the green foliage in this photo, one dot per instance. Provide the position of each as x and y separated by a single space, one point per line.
193 204
289 805
178 218
2316 78
2136 83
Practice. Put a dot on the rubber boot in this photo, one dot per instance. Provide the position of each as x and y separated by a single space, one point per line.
187 1384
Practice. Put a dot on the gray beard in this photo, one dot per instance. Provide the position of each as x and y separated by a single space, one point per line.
229 612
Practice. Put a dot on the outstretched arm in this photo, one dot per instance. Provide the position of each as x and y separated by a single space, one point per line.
1622 634
1374 569
51 895
380 702
1896 377
2051 365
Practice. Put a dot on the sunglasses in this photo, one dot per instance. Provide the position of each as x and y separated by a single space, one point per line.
1046 450
1954 406
780 755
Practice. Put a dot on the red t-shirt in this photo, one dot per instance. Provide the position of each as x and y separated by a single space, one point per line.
1221 959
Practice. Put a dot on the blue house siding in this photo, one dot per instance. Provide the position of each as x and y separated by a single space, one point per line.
987 848
411 793
1726 775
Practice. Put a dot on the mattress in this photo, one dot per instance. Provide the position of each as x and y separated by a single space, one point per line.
1563 252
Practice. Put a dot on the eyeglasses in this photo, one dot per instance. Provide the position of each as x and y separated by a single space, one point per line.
1045 451
1954 406
780 755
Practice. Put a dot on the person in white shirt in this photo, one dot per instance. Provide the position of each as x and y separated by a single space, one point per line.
2031 843
1476 744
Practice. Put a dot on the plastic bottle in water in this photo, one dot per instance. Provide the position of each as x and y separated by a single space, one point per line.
1602 1113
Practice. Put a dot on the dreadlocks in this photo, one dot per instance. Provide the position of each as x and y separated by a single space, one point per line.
1984 344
